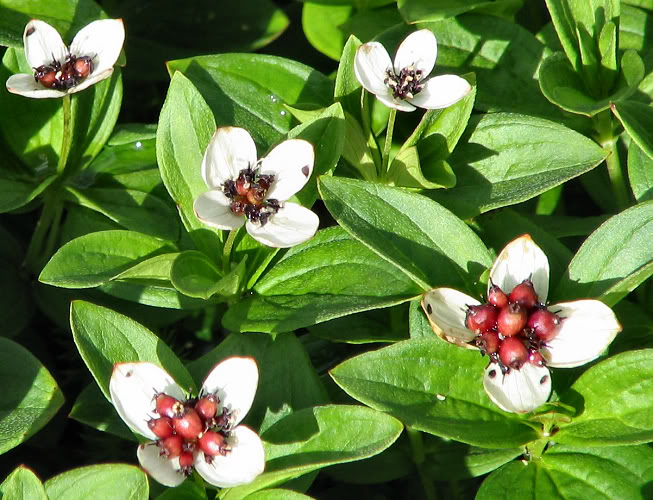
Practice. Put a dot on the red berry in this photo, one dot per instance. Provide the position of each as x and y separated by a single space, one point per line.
171 447
242 185
488 342
186 461
188 426
511 320
212 443
497 297
524 294
207 406
161 427
167 406
535 358
481 318
544 323
513 352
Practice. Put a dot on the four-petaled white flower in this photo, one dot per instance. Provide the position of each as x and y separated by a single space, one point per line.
562 335
192 433
246 191
59 70
404 85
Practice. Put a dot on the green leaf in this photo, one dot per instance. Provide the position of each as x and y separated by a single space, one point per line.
131 209
279 358
67 17
608 50
186 126
93 259
362 328
357 150
155 294
613 260
314 438
505 68
188 490
195 275
612 473
405 171
637 119
405 378
30 397
125 155
95 113
640 173
322 26
104 337
250 90
115 481
16 193
348 89
277 494
565 88
507 159
22 484
92 408
420 238
300 290
327 135
611 399
35 131
416 11
470 461
440 129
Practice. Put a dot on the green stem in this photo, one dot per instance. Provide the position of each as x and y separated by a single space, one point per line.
35 252
226 250
67 134
417 446
605 135
388 143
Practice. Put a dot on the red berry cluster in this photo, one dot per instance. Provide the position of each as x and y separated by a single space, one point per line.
194 425
512 328
247 194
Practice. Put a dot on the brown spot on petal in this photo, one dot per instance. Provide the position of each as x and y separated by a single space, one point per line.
544 380
305 170
30 31
492 373
429 309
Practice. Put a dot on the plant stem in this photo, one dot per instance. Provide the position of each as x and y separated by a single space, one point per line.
388 143
226 250
417 446
51 211
608 141
68 126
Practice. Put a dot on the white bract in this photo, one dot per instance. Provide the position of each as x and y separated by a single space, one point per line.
134 388
255 193
405 84
585 330
59 70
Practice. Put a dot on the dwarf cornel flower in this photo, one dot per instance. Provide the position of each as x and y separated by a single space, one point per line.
520 333
192 433
405 84
246 191
59 70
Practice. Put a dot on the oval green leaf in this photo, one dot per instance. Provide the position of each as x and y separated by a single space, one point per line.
22 484
114 481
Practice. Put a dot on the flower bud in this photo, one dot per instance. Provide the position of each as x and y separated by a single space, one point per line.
207 406
167 406
161 427
497 297
513 352
511 320
186 461
535 358
212 443
481 318
188 426
524 294
544 323
488 342
171 447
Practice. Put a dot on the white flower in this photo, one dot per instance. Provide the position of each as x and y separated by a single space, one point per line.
59 70
405 85
246 191
577 333
140 391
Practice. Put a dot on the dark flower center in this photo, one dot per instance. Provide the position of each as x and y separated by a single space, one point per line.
512 328
248 195
64 76
194 425
407 84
